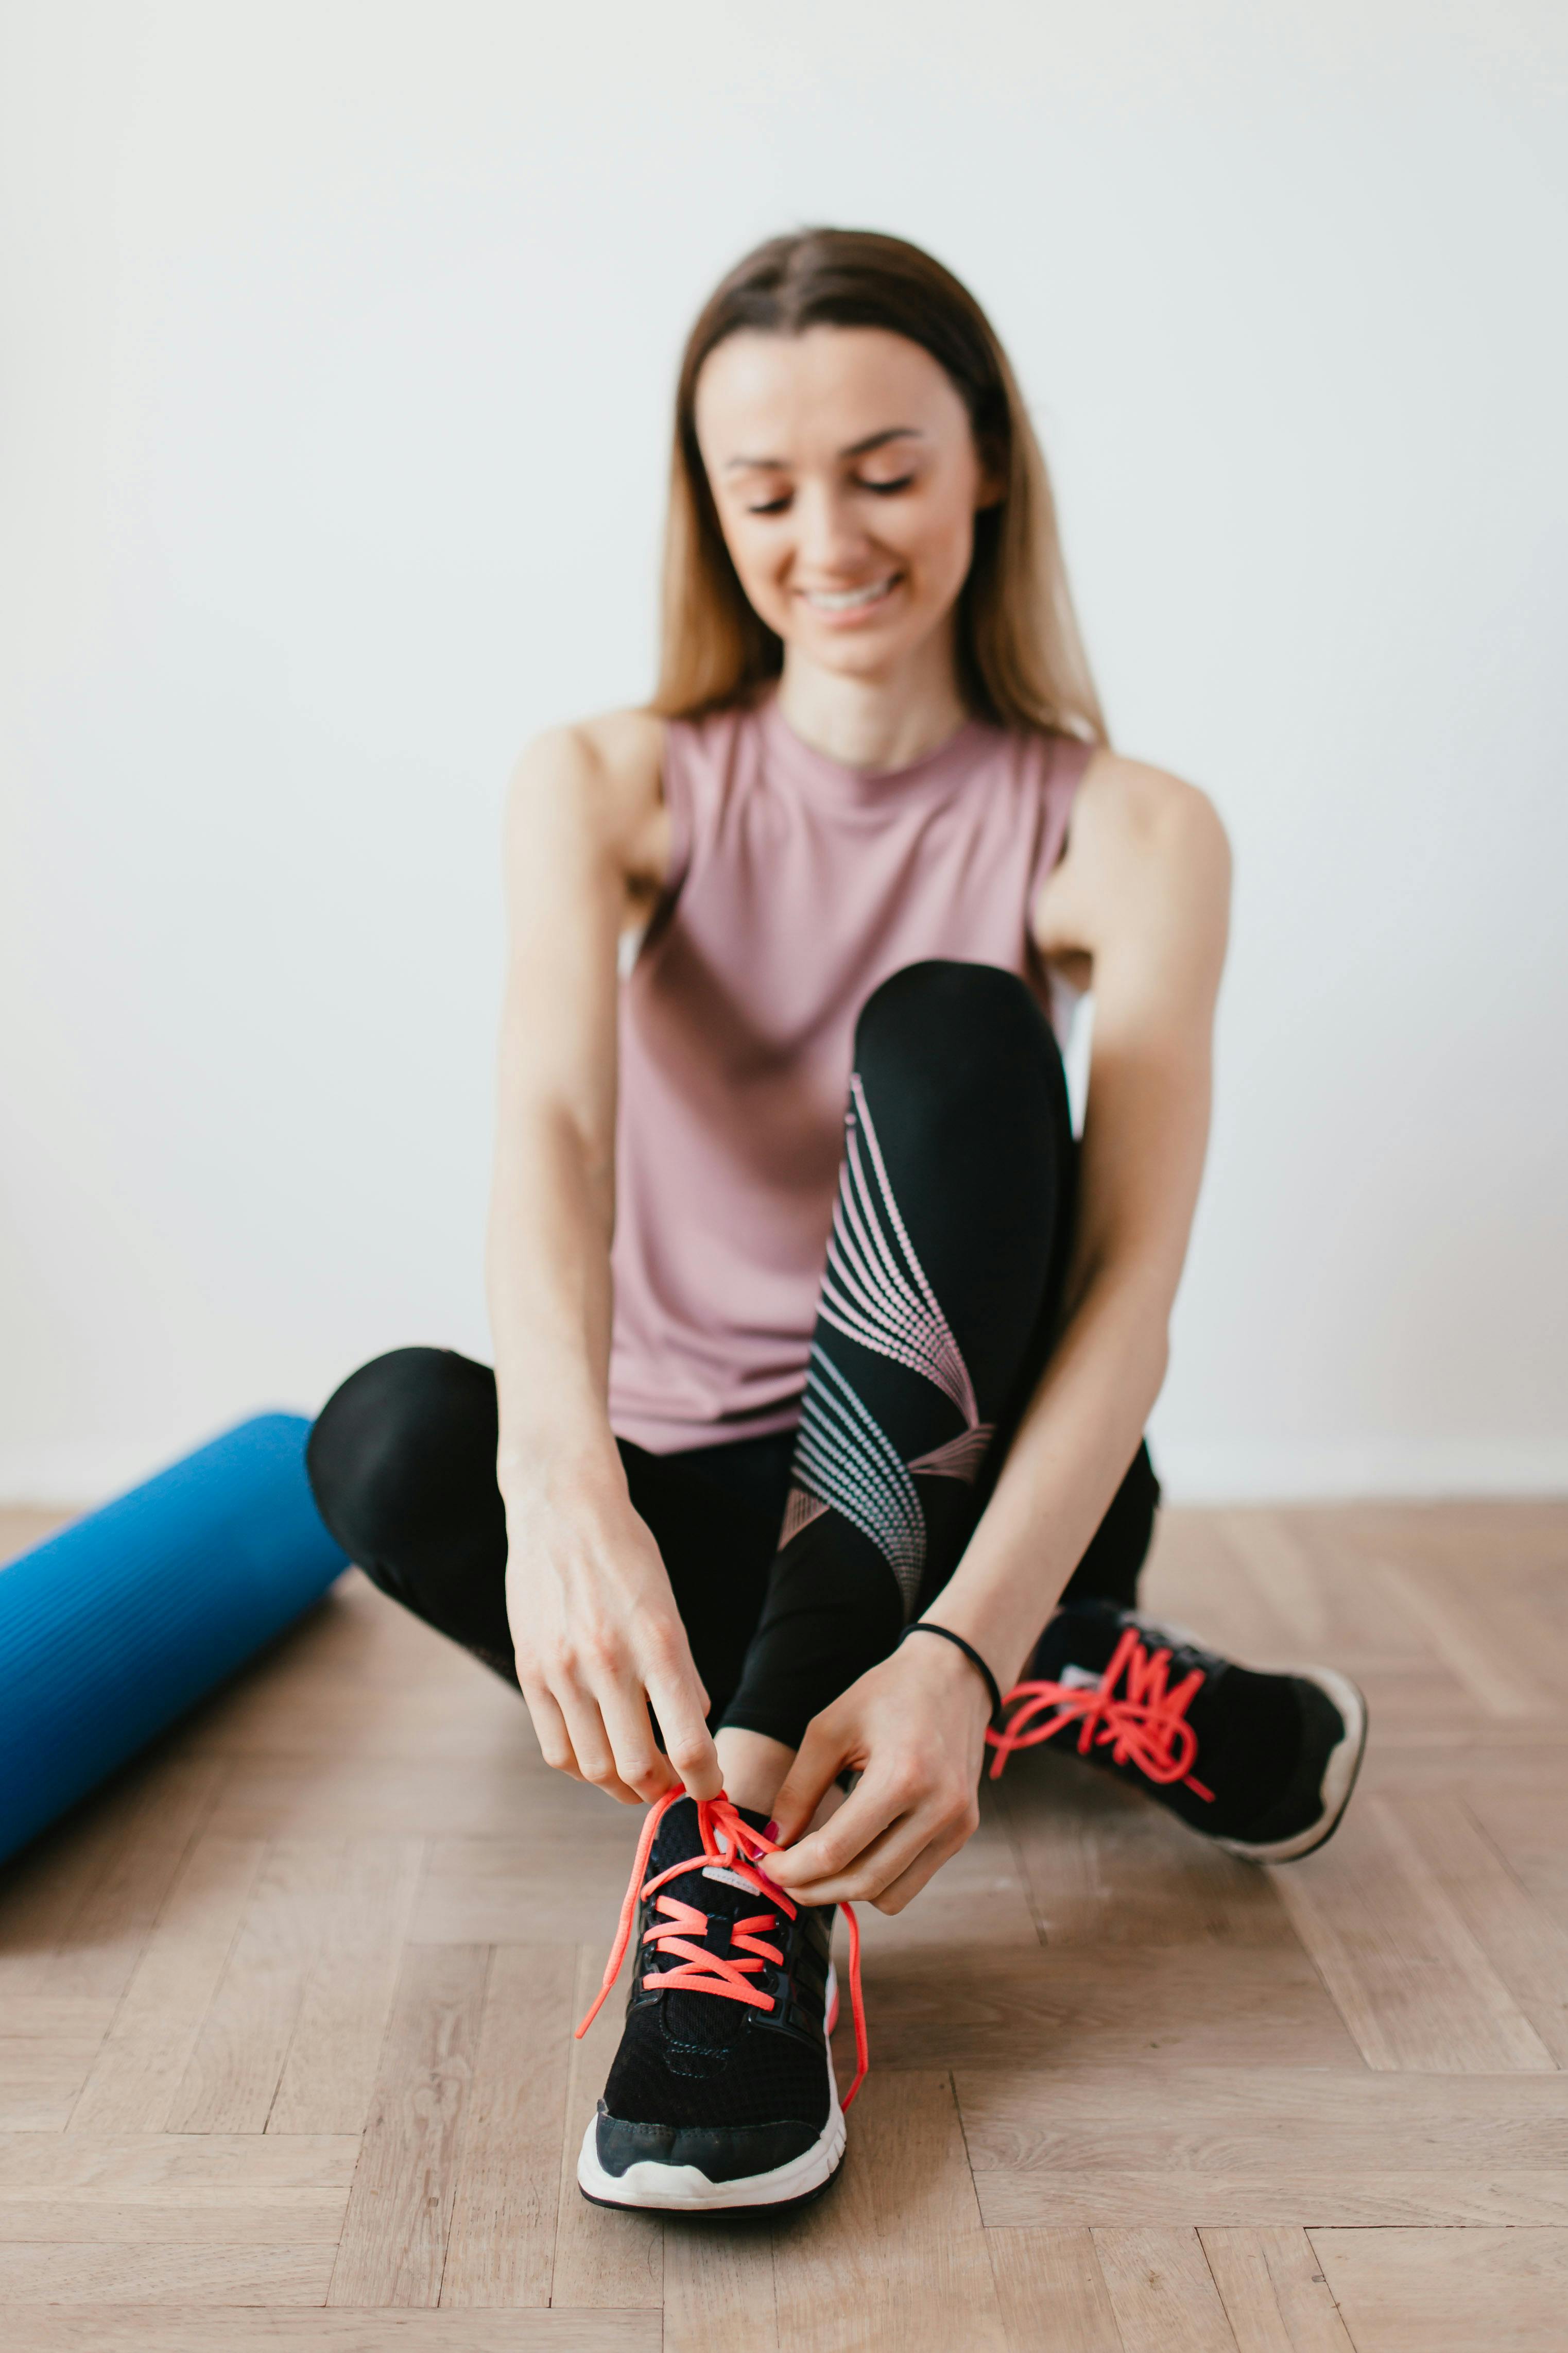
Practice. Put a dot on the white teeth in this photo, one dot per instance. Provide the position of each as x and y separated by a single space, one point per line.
846 601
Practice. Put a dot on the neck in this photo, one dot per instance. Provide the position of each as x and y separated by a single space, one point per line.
889 721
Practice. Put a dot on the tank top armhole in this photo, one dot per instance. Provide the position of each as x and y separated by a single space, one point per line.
675 783
1063 760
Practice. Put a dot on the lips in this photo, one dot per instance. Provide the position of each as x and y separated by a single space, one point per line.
850 600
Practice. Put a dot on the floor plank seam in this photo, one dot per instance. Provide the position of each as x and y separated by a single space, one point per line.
176 1878
1219 2293
196 1831
1166 2060
1273 1871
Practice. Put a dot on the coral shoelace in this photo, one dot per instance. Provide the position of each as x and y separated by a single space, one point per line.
729 1840
1147 1723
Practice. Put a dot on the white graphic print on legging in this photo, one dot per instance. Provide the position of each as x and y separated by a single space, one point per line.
844 1458
875 1291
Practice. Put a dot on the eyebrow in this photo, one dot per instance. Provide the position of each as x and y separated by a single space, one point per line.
856 449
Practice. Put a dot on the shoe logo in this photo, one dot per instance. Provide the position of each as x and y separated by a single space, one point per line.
730 1878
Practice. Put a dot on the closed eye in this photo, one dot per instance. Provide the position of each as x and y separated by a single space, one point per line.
878 489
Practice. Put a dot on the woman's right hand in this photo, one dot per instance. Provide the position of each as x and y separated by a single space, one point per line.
598 1640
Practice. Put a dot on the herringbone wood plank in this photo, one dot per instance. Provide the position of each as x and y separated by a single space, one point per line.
1274 2295
285 2054
170 2328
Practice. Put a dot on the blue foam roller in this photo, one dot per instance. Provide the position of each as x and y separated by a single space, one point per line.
115 1625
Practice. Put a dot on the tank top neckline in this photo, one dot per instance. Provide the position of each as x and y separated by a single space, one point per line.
875 790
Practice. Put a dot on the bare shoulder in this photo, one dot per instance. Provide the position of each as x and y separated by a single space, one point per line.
1124 808
596 781
617 755
1147 854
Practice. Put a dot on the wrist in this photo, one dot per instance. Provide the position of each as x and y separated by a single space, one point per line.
964 1661
576 1469
549 1412
1002 1622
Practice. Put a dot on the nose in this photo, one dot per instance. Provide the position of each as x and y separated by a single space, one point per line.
831 542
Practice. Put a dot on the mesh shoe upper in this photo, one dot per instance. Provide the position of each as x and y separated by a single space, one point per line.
690 2058
1258 1736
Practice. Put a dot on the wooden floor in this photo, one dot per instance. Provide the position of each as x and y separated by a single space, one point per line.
285 2021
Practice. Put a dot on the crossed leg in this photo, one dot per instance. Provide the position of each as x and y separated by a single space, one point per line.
937 1312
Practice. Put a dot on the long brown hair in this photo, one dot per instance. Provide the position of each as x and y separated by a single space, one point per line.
1021 661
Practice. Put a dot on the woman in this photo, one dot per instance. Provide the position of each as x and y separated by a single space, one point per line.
814 1329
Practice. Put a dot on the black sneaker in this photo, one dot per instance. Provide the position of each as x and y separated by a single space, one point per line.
722 2094
1264 1765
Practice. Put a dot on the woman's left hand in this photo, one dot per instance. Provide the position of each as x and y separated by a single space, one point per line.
913 1728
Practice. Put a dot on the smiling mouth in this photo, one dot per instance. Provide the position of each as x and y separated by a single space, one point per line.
851 600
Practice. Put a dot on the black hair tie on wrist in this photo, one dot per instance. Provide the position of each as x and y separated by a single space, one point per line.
925 1626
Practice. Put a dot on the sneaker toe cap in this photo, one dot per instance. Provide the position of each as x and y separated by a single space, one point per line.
720 2152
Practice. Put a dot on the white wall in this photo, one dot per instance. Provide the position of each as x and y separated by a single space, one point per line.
339 344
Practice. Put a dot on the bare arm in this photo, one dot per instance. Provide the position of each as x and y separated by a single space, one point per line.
1143 896
1148 900
593 1622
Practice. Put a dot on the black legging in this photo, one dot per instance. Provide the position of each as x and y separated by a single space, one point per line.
796 1559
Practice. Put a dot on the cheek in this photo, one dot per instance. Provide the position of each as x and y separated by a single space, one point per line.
757 555
941 548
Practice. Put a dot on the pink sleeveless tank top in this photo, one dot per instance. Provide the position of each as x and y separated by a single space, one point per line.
797 886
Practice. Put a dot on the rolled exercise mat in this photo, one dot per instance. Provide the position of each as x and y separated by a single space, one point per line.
116 1625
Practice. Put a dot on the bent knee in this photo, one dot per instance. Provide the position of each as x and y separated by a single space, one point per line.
956 1029
386 1444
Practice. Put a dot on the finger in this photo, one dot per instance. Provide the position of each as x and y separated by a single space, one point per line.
591 1744
687 1742
896 1865
883 1860
829 1852
550 1730
814 1772
637 1760
902 1891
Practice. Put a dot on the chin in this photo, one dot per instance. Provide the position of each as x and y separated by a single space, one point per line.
858 653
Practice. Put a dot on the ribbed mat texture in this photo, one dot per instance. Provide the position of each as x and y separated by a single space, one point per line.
116 1625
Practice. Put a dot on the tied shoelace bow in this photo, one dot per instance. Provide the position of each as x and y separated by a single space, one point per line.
1147 1723
730 1841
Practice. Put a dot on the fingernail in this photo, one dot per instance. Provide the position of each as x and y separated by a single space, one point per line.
770 1829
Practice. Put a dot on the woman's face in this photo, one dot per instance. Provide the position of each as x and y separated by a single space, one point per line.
846 481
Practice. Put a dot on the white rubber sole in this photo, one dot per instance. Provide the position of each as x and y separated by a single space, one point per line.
686 2188
1338 1774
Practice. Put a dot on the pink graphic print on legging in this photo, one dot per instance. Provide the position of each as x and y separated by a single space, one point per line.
875 1291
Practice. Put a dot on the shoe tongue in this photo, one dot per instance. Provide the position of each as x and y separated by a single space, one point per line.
678 1836
1247 1726
709 2021
1083 1638
679 1840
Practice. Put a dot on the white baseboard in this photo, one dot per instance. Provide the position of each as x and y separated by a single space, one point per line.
73 1476
1414 1470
